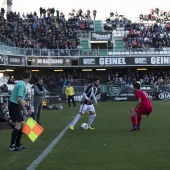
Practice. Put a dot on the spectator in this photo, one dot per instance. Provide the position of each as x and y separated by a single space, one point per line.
94 14
4 88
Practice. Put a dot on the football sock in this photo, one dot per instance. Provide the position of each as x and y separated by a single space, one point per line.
133 120
76 118
139 119
19 138
91 119
14 136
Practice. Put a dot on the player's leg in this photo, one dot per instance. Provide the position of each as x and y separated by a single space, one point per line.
92 116
69 101
139 120
136 118
15 115
133 120
18 141
39 113
72 97
35 110
82 110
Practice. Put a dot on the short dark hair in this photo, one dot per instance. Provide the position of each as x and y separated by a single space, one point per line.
136 85
26 74
95 78
38 78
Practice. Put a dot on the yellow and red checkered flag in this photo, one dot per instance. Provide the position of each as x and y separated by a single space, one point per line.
32 129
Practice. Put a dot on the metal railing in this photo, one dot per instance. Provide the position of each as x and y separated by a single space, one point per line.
6 41
84 52
129 89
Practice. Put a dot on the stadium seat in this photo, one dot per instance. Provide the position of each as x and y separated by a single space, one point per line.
144 88
148 88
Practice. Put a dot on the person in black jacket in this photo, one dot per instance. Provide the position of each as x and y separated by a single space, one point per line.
39 95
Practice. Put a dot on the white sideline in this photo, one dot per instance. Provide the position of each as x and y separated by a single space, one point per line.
37 161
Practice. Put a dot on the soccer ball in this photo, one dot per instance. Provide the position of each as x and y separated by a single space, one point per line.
84 126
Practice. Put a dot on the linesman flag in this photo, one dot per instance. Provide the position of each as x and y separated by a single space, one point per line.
32 129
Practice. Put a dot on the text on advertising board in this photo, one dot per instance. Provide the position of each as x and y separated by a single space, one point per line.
89 61
112 61
140 61
50 61
15 60
164 96
160 60
99 36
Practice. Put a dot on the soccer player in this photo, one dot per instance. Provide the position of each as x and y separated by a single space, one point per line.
86 104
143 107
15 106
70 95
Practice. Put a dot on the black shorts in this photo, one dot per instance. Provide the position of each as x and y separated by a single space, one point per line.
15 112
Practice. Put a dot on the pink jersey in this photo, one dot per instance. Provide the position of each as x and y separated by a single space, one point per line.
146 103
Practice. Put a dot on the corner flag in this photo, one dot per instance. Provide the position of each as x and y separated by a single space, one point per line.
32 129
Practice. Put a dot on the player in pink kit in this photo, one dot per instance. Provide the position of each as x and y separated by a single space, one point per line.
143 107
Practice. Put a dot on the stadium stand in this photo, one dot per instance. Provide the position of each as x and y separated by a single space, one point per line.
35 32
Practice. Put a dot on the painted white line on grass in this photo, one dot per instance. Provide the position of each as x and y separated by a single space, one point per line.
37 161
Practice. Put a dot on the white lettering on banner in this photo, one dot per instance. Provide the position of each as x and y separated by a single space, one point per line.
39 61
14 60
78 98
120 98
99 36
50 61
89 61
164 96
140 61
160 60
112 61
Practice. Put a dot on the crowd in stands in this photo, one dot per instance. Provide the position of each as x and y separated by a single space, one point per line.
158 15
141 37
49 31
52 31
114 20
144 77
62 78
155 36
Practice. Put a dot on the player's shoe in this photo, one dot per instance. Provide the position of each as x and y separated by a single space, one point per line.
137 127
133 129
22 147
13 148
91 128
71 127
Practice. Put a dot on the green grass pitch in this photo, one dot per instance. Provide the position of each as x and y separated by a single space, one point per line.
109 147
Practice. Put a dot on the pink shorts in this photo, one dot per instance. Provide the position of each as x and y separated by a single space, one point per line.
143 111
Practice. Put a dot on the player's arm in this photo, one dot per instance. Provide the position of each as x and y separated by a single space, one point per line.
44 90
20 102
85 96
139 102
73 91
66 92
37 91
94 99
